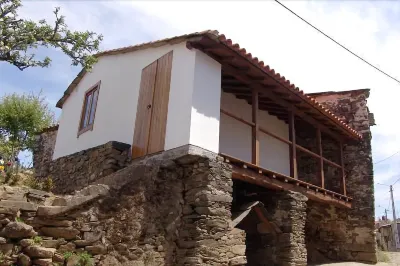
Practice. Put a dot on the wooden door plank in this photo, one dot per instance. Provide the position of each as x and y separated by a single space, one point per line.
144 111
160 104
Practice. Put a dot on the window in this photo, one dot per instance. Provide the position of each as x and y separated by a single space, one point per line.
89 109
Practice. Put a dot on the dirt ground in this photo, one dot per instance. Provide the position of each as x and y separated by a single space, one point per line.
394 260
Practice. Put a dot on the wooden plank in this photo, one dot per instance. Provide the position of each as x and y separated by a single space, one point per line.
248 176
320 172
332 163
160 104
292 147
255 139
144 111
263 130
237 118
342 168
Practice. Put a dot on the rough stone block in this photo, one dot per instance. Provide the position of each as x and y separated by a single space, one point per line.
21 205
39 252
67 233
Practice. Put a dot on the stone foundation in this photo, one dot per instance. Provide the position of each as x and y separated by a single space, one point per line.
168 209
287 211
75 171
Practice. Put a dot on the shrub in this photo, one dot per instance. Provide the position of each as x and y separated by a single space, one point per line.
37 240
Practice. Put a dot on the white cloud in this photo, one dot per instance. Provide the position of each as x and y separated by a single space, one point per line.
277 37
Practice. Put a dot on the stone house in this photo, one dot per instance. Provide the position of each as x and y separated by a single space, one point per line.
384 236
234 164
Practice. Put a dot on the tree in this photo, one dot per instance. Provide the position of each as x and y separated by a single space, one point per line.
19 37
21 116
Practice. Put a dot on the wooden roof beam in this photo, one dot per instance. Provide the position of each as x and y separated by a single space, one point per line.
237 74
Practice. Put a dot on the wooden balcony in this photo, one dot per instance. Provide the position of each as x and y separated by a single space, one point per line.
251 172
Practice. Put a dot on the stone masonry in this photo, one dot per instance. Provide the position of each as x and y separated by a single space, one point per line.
284 243
75 171
334 234
168 209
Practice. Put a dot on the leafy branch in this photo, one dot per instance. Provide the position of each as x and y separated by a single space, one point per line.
19 38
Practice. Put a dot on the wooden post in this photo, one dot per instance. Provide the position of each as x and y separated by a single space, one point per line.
255 142
320 172
343 171
292 147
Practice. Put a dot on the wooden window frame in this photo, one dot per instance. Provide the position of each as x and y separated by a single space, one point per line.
89 127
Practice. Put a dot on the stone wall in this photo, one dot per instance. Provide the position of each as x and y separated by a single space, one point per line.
168 209
45 142
287 210
334 234
75 171
279 237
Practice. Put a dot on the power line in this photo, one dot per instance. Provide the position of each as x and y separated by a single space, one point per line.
387 157
359 57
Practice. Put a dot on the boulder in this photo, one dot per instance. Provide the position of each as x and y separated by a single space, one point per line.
18 230
39 252
25 242
52 222
67 233
6 249
24 260
21 205
43 262
96 250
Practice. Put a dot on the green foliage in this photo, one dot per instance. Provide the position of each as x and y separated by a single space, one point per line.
84 258
32 182
68 254
19 219
48 184
21 116
20 36
2 257
37 240
13 179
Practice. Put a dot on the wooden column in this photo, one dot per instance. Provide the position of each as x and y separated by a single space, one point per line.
292 147
320 172
343 171
255 142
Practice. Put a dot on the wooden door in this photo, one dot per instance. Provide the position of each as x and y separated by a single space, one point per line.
152 110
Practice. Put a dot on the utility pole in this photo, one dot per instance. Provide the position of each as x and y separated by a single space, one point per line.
394 227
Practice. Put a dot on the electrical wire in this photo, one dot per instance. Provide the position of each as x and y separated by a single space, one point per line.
387 157
348 50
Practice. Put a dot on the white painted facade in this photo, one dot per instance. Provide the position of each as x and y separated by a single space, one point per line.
193 110
235 136
192 73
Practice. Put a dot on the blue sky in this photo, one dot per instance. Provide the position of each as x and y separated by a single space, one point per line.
309 60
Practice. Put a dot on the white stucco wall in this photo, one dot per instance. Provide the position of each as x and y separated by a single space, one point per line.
117 103
235 136
206 102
